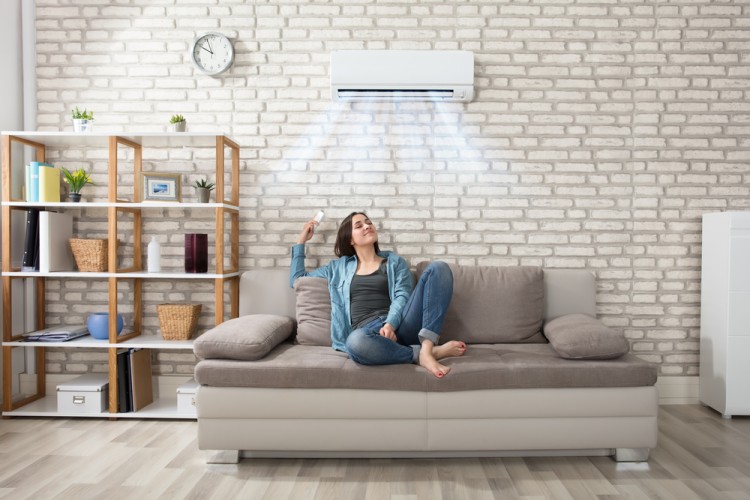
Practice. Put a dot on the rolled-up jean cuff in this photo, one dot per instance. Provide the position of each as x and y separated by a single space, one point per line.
425 334
415 353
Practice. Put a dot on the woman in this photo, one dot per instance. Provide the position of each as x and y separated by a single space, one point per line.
377 316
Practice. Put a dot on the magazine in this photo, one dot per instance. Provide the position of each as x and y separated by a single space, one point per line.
55 334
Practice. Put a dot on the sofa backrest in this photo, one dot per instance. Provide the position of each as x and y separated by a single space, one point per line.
566 291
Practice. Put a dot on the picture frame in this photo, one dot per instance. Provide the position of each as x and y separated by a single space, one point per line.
161 187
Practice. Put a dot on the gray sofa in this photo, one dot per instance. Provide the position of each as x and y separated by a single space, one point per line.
266 390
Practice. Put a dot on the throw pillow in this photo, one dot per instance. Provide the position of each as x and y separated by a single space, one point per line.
578 336
313 311
246 338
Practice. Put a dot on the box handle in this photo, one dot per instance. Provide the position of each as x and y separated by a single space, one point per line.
79 400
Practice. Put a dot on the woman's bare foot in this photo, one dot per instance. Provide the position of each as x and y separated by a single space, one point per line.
451 348
428 361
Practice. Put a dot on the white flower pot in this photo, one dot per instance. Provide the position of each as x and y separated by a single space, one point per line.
178 127
80 125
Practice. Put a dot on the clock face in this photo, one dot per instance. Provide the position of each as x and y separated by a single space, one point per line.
212 53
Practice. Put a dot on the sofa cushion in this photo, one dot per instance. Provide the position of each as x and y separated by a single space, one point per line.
245 338
494 366
494 305
313 311
578 336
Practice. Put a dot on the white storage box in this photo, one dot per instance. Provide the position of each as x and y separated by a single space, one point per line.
186 397
85 394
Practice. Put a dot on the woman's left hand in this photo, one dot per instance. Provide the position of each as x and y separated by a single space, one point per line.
388 332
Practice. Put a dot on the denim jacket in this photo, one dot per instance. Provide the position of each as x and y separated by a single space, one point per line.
339 274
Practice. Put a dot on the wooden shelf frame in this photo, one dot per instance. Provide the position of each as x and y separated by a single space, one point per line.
225 206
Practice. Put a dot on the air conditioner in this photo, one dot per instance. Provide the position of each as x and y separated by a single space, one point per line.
413 75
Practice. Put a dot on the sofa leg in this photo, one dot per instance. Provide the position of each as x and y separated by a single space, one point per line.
225 457
631 454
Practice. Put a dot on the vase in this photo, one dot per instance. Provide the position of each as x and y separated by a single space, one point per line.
98 325
74 197
80 125
178 127
203 194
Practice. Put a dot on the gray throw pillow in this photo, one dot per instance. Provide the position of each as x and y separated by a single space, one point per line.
313 311
578 336
494 305
246 338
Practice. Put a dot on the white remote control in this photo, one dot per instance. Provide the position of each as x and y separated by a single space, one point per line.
319 216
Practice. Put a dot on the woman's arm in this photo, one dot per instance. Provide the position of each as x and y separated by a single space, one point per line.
403 286
297 266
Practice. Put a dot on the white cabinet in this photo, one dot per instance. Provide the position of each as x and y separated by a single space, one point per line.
725 313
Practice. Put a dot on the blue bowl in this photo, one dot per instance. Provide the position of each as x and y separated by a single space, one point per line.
98 325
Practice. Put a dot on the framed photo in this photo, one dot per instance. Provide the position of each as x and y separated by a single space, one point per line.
161 187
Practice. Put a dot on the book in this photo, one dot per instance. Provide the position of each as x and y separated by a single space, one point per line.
123 381
56 334
196 253
141 388
32 188
31 241
49 183
55 229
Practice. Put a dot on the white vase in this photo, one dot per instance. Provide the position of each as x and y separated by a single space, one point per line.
154 256
178 127
80 125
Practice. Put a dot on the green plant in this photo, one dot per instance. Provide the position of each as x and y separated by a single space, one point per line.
77 179
176 119
82 115
203 183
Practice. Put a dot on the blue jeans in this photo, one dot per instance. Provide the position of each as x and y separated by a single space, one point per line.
423 319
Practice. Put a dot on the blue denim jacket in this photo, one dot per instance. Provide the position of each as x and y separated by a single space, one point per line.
339 274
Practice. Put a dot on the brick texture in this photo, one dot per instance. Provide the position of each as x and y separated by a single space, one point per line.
600 133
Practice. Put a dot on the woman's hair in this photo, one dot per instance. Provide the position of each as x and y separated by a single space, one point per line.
343 247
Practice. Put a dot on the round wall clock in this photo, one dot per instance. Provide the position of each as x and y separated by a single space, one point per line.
212 53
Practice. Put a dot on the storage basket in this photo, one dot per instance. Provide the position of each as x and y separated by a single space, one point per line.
90 255
178 321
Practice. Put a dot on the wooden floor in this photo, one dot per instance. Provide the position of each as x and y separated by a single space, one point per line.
700 456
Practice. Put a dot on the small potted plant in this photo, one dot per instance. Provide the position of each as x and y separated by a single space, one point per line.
178 123
204 188
76 180
83 121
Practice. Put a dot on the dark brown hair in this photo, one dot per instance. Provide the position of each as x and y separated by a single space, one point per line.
343 247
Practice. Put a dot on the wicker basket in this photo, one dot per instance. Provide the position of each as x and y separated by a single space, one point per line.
178 321
90 255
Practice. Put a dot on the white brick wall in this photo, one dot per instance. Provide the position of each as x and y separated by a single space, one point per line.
600 133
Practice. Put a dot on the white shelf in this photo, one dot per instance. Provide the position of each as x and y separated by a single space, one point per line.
119 204
47 407
79 275
142 341
100 139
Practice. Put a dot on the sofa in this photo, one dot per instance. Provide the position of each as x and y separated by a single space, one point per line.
541 376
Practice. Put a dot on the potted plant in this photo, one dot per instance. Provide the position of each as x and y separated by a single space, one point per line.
204 188
76 180
83 121
178 123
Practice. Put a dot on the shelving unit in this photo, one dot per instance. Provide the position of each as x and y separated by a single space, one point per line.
41 405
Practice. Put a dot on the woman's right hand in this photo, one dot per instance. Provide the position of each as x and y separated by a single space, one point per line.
308 230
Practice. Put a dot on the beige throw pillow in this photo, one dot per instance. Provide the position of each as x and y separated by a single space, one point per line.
313 311
246 338
578 336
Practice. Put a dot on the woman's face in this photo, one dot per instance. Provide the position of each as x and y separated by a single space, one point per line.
363 231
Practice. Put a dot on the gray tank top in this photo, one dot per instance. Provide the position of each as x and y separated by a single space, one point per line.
369 296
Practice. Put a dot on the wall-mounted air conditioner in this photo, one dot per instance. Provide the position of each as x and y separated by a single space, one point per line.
414 75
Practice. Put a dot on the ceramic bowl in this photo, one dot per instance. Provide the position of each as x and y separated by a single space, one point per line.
98 325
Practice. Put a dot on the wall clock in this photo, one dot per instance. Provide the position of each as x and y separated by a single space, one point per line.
212 53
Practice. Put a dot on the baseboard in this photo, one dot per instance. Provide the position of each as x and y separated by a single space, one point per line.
677 390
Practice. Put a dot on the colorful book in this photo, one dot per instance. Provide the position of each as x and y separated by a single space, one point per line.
33 187
49 183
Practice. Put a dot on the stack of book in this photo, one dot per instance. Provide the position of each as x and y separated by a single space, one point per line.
55 334
134 389
42 183
46 246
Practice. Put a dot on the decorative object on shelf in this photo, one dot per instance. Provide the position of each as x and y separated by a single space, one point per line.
196 253
83 121
212 53
76 180
178 123
154 256
203 188
178 321
161 187
98 325
90 254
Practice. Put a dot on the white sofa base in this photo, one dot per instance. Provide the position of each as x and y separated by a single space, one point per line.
369 423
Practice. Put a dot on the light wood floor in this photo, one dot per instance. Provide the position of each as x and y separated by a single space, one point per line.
700 456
